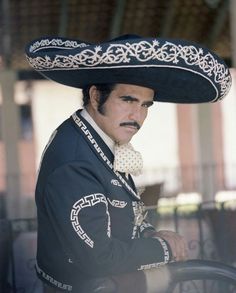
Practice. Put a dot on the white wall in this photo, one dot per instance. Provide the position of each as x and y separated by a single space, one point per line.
51 104
229 134
158 143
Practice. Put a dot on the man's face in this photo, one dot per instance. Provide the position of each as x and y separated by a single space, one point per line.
124 111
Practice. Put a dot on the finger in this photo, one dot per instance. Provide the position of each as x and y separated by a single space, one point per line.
178 248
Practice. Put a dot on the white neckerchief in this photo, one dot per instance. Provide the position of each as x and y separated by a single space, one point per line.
127 160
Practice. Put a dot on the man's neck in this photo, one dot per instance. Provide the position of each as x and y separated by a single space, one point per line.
109 142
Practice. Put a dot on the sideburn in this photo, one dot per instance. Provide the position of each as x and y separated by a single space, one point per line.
101 108
104 92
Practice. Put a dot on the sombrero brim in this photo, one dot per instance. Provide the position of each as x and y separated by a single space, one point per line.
177 70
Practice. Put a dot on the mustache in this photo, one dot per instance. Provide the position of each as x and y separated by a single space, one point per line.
131 123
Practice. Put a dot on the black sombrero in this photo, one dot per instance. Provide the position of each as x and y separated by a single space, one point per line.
178 71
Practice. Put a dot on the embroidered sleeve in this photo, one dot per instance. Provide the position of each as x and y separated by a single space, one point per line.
166 258
87 202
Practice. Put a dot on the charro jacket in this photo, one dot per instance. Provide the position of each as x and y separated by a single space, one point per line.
90 218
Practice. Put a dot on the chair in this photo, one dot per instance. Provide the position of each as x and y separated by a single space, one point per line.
151 195
150 198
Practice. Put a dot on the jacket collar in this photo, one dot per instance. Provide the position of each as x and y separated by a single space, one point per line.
102 150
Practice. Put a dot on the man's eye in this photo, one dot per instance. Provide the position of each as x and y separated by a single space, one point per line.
147 105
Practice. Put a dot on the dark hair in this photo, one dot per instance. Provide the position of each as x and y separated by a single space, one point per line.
103 89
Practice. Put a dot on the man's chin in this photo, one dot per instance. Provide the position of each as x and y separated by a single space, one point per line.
124 141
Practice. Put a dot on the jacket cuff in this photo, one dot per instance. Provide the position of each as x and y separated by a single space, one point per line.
166 249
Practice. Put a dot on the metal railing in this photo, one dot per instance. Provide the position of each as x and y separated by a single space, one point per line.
201 276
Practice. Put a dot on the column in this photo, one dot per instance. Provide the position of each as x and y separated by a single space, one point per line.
233 30
205 154
10 132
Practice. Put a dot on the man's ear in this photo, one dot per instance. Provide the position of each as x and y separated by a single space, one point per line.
94 97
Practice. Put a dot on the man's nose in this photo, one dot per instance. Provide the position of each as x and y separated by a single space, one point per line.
136 115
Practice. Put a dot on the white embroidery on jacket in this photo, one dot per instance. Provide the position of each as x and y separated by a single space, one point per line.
139 216
144 226
158 264
88 201
151 266
52 280
115 182
117 203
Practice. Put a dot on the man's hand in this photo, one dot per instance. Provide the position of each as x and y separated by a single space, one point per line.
176 242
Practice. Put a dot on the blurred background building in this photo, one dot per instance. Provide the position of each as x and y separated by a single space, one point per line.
190 149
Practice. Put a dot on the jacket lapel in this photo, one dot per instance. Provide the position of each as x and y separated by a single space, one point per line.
102 151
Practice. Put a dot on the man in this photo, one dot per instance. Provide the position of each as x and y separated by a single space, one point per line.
92 233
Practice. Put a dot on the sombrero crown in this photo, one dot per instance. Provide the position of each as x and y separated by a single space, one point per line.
178 71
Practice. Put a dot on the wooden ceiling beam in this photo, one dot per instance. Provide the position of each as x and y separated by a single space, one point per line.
117 18
63 21
218 24
6 33
233 31
168 19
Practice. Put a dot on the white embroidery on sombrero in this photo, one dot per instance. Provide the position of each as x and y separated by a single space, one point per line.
56 43
127 160
119 55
